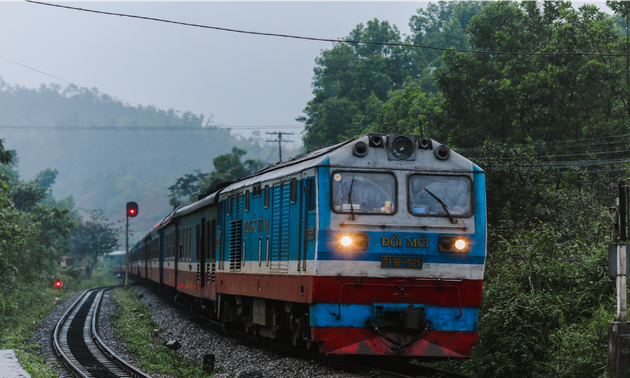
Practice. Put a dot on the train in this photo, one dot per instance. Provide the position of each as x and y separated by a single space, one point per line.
118 262
374 246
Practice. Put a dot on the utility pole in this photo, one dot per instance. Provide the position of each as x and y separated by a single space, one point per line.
619 331
279 140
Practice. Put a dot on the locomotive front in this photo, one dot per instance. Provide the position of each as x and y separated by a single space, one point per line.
401 245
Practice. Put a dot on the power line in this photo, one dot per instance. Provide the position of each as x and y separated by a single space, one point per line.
395 44
279 140
66 81
149 128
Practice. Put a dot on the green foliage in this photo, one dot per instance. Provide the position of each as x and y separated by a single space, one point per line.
137 335
441 25
546 281
410 111
361 88
28 302
350 82
227 167
95 236
514 97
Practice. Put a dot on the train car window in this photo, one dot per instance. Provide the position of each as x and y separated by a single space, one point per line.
212 235
266 196
247 200
437 195
186 244
256 190
229 204
293 190
189 243
311 194
363 193
197 243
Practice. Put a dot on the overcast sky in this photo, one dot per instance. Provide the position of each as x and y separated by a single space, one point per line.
241 80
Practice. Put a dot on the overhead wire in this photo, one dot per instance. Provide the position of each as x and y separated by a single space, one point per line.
149 128
333 40
66 81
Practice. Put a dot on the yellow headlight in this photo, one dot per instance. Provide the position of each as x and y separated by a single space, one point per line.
346 241
460 244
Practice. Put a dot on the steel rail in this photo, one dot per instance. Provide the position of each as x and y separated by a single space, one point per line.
122 364
105 363
56 343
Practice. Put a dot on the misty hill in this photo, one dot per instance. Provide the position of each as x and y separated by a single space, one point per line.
108 153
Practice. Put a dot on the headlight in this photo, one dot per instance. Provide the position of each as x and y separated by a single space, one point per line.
346 241
457 244
402 147
460 244
352 241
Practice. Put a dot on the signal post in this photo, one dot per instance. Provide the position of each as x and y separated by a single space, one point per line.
619 331
132 211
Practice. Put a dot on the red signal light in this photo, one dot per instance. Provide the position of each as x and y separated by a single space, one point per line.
58 284
132 209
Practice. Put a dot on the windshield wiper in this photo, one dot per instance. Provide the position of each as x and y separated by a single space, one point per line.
443 205
350 198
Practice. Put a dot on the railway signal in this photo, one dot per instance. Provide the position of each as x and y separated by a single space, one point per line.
58 284
132 211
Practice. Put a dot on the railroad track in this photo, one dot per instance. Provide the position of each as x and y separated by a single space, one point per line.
77 343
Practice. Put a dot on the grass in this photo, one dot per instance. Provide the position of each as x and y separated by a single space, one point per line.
138 337
24 309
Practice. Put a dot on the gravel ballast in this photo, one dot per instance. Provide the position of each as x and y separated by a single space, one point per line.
233 357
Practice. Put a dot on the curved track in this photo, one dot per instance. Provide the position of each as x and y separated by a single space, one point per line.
77 343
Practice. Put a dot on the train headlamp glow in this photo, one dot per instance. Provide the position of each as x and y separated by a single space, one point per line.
346 241
460 244
352 241
453 244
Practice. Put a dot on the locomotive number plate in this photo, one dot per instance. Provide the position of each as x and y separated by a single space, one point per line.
401 262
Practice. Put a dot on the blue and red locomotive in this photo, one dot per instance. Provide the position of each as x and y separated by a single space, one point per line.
373 246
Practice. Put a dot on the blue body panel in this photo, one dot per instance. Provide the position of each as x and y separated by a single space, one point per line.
442 318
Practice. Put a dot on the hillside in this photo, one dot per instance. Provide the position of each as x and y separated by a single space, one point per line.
108 153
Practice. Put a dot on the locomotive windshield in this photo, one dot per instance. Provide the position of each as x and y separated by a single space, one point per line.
440 195
363 193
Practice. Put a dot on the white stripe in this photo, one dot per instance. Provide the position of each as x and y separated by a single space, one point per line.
373 269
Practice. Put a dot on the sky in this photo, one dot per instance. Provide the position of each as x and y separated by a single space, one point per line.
237 79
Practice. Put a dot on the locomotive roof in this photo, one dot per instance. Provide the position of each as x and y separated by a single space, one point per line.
325 156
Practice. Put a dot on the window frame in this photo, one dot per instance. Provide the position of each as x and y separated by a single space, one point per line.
247 201
391 173
472 197
293 190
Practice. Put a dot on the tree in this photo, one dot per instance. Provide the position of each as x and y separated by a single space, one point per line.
351 80
227 167
411 111
441 25
95 236
513 97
